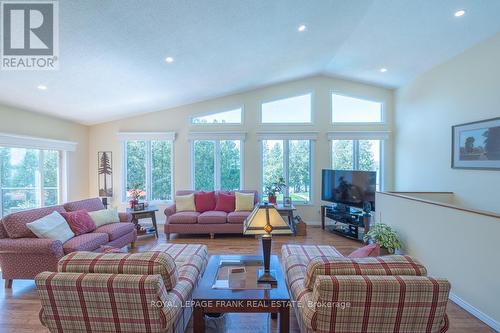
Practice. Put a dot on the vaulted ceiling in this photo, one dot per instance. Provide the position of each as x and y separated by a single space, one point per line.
112 52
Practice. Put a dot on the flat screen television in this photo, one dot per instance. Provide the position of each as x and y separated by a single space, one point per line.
348 187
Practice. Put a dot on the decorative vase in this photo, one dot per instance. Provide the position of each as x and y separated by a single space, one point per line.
133 203
271 199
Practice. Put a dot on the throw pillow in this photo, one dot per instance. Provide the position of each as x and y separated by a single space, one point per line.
204 201
185 203
110 249
52 226
226 202
244 201
79 221
372 250
105 216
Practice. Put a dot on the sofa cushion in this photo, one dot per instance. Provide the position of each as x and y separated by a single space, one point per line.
212 217
204 201
237 217
79 221
371 250
89 205
185 203
144 263
184 218
183 253
15 223
86 242
386 265
116 230
52 226
105 216
244 201
226 202
309 251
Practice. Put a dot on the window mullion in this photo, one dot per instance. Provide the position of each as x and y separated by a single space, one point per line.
148 170
40 184
217 167
286 161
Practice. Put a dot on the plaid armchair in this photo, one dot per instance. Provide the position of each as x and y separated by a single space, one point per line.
119 292
384 294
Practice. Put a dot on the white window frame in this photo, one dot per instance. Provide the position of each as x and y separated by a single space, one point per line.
216 137
383 120
286 137
381 136
275 99
8 140
198 115
147 138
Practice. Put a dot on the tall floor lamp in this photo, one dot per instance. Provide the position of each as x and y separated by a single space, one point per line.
266 220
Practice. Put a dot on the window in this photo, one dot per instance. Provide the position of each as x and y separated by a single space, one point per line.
290 159
227 117
29 178
289 110
361 155
216 165
148 166
347 109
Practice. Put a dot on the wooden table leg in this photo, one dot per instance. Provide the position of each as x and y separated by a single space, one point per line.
285 319
198 321
153 218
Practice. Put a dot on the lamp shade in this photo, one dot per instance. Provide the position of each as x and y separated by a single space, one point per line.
257 223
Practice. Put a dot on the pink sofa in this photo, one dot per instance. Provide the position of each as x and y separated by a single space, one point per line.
23 255
211 222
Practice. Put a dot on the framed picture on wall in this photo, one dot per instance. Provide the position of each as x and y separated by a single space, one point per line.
476 145
105 173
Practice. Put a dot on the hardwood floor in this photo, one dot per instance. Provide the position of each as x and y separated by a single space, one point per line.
19 306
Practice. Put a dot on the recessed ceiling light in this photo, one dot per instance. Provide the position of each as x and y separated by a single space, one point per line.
383 70
460 13
302 28
169 60
42 87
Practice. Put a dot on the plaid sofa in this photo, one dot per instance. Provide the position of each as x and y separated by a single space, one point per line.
332 293
119 292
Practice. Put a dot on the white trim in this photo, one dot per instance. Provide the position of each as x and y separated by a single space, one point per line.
359 135
217 136
22 141
146 136
475 312
287 135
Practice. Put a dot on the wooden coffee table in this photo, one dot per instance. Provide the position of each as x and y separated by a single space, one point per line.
213 295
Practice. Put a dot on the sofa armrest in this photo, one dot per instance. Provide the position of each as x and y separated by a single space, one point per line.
125 217
170 210
31 246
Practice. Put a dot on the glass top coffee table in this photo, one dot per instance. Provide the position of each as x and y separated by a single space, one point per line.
217 293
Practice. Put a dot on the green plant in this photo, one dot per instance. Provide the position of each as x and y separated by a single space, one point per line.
385 236
276 187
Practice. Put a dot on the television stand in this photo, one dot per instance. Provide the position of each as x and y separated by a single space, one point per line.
349 223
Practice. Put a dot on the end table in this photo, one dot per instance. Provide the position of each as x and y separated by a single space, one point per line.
148 212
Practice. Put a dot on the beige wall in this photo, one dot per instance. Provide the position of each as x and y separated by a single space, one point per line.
20 122
104 136
465 89
453 244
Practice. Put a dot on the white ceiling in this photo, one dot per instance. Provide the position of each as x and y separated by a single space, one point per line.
112 52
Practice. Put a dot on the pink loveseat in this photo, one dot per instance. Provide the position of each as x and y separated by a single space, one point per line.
23 255
210 222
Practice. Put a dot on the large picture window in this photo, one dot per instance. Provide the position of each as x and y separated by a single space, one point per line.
216 165
29 178
291 160
148 166
363 155
295 109
346 109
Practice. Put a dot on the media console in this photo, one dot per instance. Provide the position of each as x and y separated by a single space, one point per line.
346 221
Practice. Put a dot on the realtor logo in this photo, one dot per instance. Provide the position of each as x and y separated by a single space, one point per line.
30 35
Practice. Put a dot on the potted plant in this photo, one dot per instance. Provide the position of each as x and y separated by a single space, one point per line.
274 188
135 195
385 236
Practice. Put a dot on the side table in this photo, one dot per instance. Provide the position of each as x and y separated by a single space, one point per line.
148 212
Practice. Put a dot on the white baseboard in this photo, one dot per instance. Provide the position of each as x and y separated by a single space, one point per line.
475 312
